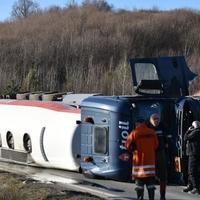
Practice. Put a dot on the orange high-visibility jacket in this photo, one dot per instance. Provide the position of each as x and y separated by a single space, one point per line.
145 142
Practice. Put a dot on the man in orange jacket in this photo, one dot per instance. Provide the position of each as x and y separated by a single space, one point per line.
145 144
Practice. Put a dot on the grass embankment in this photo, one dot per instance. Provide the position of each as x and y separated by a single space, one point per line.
15 187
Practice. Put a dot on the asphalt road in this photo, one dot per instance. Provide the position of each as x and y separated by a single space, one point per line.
107 189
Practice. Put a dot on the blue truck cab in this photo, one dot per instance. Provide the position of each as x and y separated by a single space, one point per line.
161 85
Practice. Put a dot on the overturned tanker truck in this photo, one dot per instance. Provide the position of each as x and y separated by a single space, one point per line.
162 86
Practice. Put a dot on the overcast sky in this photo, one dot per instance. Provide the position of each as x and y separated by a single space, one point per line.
6 5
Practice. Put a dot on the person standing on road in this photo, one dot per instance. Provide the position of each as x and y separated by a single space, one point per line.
145 143
192 140
161 160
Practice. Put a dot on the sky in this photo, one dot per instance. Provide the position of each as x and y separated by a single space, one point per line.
6 5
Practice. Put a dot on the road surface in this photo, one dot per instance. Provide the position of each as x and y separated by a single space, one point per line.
107 189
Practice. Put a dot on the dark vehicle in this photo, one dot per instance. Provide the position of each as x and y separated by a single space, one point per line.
162 86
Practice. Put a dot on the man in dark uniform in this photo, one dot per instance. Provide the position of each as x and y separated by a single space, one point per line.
161 160
192 140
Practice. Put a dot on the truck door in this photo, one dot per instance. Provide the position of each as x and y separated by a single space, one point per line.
167 76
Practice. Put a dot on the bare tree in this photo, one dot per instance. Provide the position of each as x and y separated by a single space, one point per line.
53 9
24 8
71 4
99 4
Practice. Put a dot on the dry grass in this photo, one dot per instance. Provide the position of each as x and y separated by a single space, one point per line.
14 187
83 49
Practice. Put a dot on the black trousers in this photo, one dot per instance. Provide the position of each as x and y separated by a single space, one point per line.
149 182
161 165
194 170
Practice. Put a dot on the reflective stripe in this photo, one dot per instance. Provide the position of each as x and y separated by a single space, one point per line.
151 187
144 172
139 187
143 166
159 132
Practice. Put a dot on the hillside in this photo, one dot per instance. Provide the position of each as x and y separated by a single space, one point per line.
83 49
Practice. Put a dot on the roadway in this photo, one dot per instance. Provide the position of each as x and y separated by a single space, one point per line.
107 189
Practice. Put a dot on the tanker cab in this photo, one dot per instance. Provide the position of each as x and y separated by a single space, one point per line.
94 145
163 76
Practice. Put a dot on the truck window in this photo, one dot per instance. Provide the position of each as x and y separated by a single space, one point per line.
146 71
100 140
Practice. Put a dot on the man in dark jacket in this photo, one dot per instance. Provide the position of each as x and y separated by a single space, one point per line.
192 140
161 160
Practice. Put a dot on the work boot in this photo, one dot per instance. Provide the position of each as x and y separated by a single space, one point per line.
194 191
188 188
162 197
151 193
140 194
162 190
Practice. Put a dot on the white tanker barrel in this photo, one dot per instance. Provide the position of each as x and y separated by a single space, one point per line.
22 96
35 96
48 96
53 96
